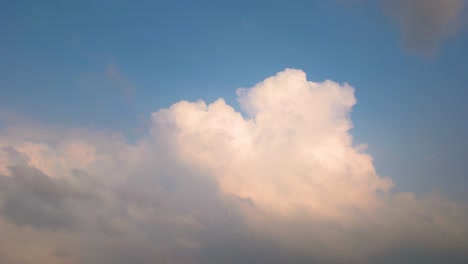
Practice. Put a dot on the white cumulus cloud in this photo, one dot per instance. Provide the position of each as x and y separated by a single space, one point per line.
282 182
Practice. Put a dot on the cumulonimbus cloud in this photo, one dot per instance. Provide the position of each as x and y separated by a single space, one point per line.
281 183
424 23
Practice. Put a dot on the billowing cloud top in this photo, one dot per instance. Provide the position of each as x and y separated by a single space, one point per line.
282 183
300 126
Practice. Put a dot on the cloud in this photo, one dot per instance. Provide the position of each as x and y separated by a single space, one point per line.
283 183
32 198
120 80
107 76
424 23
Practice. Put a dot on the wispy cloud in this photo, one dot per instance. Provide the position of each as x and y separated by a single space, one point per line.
119 79
207 185
107 74
424 23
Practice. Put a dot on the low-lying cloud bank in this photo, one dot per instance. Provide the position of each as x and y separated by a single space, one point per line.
282 184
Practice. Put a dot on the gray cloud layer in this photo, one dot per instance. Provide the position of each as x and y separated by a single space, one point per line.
207 185
424 23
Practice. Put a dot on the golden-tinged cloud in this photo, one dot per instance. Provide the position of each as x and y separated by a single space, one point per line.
293 154
281 182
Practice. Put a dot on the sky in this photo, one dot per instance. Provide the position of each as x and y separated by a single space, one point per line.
232 131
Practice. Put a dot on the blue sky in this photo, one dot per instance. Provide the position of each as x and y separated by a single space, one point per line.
54 58
204 185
